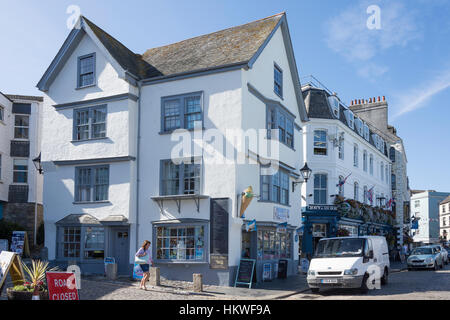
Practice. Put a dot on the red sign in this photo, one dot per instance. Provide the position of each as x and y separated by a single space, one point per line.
62 286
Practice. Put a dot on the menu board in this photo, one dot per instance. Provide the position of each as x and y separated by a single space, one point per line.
219 233
19 243
244 273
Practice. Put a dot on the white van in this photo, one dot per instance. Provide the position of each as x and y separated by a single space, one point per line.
349 262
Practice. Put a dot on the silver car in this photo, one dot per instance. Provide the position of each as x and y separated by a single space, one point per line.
428 257
443 252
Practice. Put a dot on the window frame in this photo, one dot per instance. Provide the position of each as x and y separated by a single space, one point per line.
326 143
79 74
2 114
274 182
182 98
82 243
285 130
181 176
26 171
356 155
320 189
365 166
92 184
276 68
90 124
22 127
181 225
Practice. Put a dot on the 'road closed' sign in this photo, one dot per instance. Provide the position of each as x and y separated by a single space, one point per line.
62 286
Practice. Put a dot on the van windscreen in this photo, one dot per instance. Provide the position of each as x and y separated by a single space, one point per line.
345 247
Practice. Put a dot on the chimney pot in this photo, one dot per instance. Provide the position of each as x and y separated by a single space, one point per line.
373 100
370 100
384 98
378 98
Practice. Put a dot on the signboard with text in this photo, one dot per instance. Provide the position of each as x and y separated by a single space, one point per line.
62 286
280 214
10 262
320 207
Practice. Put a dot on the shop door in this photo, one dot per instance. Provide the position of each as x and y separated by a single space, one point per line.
121 249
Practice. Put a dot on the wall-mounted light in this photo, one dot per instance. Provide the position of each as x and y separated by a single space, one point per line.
37 164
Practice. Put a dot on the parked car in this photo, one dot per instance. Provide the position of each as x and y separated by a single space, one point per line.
427 257
347 262
443 252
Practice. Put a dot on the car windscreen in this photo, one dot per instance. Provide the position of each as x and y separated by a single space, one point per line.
345 247
419 251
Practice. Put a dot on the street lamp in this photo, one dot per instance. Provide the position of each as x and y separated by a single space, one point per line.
38 165
381 200
306 174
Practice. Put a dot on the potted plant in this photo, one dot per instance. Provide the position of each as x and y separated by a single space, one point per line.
36 282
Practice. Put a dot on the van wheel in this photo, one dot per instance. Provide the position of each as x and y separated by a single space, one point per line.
384 279
364 288
315 290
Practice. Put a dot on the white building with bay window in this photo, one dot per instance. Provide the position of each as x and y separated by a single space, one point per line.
117 171
339 146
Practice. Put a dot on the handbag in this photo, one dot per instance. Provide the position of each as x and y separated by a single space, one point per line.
141 260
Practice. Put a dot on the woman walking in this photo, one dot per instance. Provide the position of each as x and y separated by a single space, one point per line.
144 260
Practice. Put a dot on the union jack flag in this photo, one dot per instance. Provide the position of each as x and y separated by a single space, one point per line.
370 195
342 182
390 203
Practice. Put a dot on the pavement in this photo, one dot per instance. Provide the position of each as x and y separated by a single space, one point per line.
100 288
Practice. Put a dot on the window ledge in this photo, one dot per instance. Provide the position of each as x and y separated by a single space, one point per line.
171 131
85 87
87 140
91 202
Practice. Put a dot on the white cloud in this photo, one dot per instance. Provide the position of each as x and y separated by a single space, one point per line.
416 98
348 34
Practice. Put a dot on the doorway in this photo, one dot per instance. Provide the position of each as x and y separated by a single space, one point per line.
121 249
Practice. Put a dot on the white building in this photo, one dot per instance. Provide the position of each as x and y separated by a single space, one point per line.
338 146
375 114
425 209
112 179
444 219
20 182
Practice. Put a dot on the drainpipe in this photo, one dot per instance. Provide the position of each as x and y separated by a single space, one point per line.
138 162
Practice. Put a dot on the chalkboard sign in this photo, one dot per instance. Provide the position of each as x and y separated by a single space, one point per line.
244 273
219 226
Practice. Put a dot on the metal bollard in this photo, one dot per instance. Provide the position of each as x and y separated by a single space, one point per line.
155 276
198 282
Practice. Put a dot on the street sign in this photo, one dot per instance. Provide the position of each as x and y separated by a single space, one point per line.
62 286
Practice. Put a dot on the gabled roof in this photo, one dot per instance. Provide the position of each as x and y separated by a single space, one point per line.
236 45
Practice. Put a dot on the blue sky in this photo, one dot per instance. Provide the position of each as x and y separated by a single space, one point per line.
407 59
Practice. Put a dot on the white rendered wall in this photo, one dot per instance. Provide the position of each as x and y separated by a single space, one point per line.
5 143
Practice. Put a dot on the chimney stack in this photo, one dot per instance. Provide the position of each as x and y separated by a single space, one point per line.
384 98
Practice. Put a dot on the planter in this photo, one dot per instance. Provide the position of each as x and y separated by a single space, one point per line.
24 295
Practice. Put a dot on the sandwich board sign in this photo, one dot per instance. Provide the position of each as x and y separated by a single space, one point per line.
62 286
19 243
10 262
244 275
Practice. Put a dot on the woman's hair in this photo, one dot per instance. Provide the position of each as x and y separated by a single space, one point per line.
145 243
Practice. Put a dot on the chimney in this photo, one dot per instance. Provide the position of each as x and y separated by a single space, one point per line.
378 98
384 98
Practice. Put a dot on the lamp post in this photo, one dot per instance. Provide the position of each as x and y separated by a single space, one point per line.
38 165
306 174
381 200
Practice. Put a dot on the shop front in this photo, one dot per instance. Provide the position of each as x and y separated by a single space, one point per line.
320 221
271 245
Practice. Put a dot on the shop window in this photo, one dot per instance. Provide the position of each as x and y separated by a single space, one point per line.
71 242
182 243
274 245
94 243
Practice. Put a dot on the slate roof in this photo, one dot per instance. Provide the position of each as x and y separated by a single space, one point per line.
227 47
126 58
232 46
75 219
317 106
446 200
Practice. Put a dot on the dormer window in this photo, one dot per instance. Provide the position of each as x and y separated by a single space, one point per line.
359 126
366 132
334 103
86 70
350 118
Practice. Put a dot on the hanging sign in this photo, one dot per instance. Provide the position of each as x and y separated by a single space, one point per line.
251 226
246 197
62 286
10 262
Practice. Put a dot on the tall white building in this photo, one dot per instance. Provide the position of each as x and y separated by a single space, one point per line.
115 174
20 182
338 146
444 219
